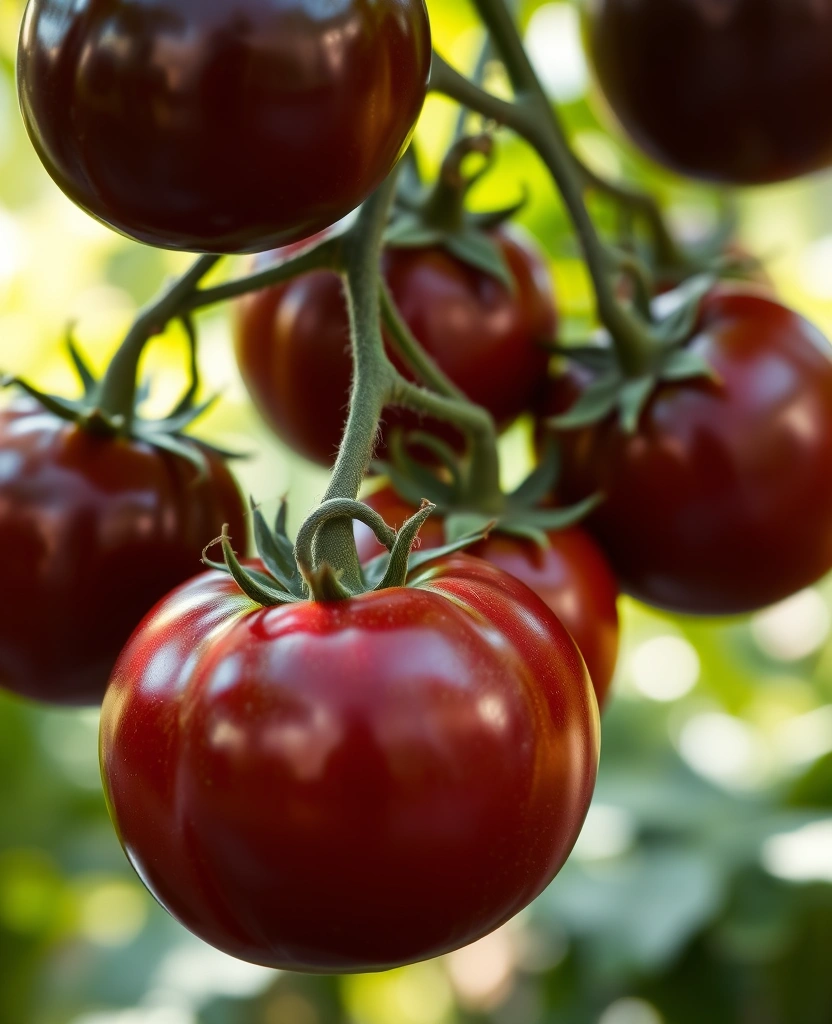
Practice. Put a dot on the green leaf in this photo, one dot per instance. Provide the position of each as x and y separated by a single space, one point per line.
595 404
480 251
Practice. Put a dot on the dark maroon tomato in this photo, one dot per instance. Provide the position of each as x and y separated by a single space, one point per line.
354 785
94 532
728 91
221 127
572 577
293 341
721 503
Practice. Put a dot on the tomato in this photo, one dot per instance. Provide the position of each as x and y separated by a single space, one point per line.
572 577
293 340
721 502
94 532
221 127
349 786
728 92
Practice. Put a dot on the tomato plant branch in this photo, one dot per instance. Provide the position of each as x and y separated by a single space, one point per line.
117 391
532 117
324 255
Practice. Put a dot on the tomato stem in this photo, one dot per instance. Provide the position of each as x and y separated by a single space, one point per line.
117 390
532 117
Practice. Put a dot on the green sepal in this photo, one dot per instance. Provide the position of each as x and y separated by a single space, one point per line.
677 325
540 483
177 422
64 408
276 550
177 446
444 454
481 252
682 364
594 404
80 365
493 219
612 391
551 520
252 583
413 481
408 232
599 359
436 217
325 584
375 569
397 565
632 400
466 524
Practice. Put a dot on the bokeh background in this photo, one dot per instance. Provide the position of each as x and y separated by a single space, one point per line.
701 888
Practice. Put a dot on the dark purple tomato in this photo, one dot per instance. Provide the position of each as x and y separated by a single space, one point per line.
349 786
571 576
94 532
721 502
726 90
212 126
293 344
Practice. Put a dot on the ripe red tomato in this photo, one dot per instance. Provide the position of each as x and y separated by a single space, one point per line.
95 531
349 786
221 127
721 502
571 576
726 92
293 340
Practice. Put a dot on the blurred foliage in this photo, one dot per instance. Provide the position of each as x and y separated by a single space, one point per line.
701 887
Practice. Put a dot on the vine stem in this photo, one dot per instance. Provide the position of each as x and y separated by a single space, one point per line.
531 116
377 383
117 390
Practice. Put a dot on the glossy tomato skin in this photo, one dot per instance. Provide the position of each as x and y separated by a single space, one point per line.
572 577
726 92
95 532
350 786
293 346
221 127
721 502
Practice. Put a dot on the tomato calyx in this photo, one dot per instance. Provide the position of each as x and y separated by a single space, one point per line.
294 575
613 390
522 513
88 412
437 216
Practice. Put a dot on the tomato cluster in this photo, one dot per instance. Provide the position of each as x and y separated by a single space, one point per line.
359 751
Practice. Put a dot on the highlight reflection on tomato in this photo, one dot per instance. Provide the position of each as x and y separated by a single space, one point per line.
571 576
95 531
221 127
721 502
348 786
